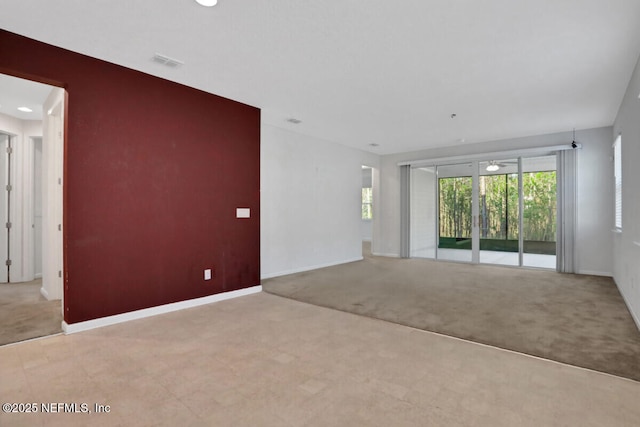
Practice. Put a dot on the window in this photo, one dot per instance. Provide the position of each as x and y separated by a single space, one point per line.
617 173
367 200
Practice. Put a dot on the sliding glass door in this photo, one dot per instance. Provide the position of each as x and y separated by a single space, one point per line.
494 211
457 232
539 217
423 214
498 199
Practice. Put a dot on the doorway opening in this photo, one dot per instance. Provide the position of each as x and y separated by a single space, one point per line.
32 119
367 217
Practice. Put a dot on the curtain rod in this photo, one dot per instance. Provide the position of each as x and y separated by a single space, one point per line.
495 155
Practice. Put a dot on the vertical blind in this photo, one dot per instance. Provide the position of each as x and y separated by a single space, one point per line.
566 199
405 212
617 172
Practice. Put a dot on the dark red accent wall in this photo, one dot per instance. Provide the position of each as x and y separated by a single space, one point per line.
153 174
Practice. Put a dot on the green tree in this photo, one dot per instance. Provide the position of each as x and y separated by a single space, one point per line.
499 206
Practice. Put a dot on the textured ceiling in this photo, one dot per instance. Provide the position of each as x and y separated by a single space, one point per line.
371 72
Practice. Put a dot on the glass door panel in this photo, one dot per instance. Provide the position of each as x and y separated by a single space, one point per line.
423 212
539 211
498 215
455 212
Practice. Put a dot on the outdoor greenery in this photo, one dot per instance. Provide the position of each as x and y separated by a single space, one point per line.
498 207
455 207
367 203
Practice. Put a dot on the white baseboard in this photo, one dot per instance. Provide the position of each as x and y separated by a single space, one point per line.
633 315
308 268
44 293
635 318
387 255
595 273
154 311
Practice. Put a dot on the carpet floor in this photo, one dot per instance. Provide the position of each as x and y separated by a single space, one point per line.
26 314
574 319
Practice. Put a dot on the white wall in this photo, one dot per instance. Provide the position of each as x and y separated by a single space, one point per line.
311 195
626 245
11 125
595 200
366 227
594 183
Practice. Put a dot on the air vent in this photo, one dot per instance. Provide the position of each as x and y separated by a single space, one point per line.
165 60
294 121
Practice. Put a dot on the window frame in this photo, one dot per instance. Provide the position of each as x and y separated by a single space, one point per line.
369 203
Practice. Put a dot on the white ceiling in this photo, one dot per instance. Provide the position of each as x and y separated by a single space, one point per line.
16 93
362 72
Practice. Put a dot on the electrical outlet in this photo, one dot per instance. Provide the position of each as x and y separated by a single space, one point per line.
207 274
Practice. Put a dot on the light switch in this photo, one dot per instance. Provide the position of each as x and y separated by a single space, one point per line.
207 274
243 213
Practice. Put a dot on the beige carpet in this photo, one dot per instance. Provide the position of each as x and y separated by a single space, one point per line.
26 314
579 320
262 360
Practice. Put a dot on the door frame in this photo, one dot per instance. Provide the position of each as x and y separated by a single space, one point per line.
52 195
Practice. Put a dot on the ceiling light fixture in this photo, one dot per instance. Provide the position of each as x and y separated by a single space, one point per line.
493 166
207 3
25 109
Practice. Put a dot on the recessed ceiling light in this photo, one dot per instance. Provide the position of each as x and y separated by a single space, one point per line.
207 3
25 109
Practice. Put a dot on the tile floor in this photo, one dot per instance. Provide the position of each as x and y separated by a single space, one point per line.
498 258
262 360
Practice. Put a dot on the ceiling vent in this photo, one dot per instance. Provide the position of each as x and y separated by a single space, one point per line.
165 60
294 121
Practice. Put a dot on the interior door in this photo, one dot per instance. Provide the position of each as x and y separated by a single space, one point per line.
4 208
37 207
